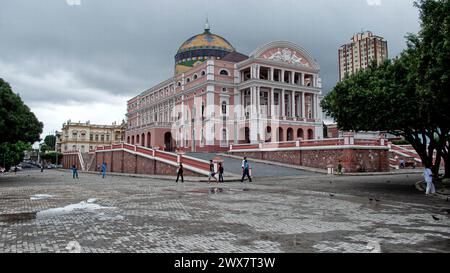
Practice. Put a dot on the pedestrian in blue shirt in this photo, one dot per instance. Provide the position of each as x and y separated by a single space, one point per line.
245 170
103 170
74 172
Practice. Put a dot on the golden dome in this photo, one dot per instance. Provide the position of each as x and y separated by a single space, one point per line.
199 48
206 40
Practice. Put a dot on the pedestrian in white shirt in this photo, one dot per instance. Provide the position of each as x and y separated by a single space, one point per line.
428 175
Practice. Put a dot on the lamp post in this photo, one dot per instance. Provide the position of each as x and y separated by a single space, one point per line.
56 151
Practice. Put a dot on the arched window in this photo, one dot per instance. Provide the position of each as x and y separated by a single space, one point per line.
188 80
224 140
179 84
290 134
223 72
195 76
203 73
224 107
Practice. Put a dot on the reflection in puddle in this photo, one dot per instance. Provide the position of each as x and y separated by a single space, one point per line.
217 190
40 196
85 206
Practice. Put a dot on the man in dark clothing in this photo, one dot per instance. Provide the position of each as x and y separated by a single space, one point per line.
180 173
220 172
245 170
74 172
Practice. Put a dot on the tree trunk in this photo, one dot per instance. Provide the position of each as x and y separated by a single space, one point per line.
446 157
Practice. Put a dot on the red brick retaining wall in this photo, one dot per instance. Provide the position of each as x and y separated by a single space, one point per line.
124 162
353 160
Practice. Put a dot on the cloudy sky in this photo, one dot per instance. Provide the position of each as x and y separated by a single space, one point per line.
82 59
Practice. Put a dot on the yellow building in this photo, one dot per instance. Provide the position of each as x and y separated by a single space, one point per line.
85 136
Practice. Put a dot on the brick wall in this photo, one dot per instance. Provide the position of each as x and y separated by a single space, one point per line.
71 159
124 162
353 160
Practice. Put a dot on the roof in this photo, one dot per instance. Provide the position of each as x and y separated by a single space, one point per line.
235 57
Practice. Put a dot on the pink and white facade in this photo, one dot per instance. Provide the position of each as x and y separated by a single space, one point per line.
273 95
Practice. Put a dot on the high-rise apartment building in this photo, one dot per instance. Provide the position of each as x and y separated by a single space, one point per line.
360 52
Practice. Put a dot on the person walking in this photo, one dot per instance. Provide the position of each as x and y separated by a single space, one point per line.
221 172
428 175
42 167
339 168
103 169
245 170
15 170
180 173
212 173
74 172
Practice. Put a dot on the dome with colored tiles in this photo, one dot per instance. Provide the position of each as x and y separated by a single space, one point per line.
199 48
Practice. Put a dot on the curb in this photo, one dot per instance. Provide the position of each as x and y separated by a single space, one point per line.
161 177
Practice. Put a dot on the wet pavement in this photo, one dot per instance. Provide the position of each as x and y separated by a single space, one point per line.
51 212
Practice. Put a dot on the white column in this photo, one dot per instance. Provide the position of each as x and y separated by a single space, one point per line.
303 79
283 113
293 104
258 100
303 105
313 105
271 70
272 106
282 76
293 77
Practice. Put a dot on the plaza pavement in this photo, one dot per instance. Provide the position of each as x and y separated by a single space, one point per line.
51 212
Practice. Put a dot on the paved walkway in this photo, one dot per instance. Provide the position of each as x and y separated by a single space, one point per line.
51 212
233 165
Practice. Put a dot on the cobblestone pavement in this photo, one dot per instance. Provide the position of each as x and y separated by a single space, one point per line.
51 212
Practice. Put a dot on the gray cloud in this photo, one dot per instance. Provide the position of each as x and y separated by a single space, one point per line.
104 50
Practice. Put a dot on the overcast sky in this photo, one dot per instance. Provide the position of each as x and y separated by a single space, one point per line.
82 59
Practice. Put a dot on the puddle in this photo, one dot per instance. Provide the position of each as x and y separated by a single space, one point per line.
17 217
84 206
217 190
40 196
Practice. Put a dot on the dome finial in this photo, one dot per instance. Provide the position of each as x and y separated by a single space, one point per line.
207 28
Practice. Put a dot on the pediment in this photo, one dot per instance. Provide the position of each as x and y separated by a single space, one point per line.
285 52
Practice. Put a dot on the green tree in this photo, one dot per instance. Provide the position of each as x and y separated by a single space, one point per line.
12 153
19 127
50 141
51 156
407 96
432 50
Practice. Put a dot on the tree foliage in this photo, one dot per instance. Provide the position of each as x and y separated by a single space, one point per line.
51 156
407 96
50 141
19 127
17 122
